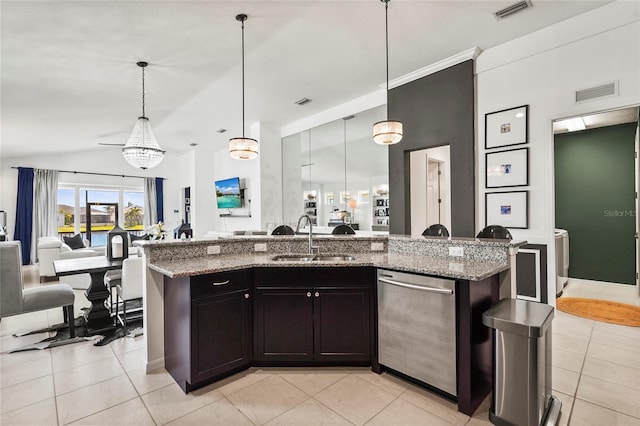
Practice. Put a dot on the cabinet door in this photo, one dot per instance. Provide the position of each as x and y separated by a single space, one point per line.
283 324
221 334
342 324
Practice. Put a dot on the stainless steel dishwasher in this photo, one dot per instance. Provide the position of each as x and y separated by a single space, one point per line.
417 327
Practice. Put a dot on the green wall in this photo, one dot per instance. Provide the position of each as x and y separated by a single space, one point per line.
594 183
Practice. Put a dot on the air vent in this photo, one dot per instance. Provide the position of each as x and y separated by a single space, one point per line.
348 117
608 89
302 101
514 8
221 130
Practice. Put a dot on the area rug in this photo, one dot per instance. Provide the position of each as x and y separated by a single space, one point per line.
600 310
62 337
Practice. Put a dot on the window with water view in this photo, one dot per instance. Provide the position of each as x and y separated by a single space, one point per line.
94 212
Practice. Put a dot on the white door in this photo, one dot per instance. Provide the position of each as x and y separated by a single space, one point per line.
434 192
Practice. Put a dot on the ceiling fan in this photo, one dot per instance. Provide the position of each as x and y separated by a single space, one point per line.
110 144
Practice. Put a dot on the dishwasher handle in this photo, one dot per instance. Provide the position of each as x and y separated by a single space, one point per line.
416 287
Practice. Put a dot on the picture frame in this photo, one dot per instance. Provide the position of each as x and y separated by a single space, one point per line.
506 127
507 168
508 209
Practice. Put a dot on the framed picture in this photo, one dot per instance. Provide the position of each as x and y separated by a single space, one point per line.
506 127
507 168
508 209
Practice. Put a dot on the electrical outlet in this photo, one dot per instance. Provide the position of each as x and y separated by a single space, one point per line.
213 249
456 251
377 246
260 247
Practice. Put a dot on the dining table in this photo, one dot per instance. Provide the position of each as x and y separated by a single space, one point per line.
97 318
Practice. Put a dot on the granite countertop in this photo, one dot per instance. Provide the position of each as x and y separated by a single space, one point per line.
440 266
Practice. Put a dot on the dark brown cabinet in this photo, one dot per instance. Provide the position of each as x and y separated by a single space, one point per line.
313 316
208 326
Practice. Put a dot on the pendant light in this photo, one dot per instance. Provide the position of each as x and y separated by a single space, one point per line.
243 148
387 132
142 149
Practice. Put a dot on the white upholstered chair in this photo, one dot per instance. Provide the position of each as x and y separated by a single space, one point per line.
15 300
129 288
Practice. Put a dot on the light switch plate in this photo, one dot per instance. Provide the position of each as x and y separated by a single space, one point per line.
456 251
377 246
213 249
260 247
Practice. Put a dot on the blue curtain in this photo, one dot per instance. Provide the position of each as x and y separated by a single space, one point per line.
24 212
159 199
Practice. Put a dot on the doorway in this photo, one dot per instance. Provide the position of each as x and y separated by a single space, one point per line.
430 188
596 175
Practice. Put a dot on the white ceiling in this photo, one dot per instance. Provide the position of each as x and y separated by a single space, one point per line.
69 79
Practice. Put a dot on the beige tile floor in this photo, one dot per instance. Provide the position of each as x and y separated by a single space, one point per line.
596 374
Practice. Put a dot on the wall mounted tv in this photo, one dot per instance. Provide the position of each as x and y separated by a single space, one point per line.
228 195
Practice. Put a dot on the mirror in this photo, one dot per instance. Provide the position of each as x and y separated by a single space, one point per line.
337 174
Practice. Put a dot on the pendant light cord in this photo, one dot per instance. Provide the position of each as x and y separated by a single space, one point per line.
143 92
243 78
386 36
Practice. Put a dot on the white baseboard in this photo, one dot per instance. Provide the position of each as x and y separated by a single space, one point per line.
580 281
155 365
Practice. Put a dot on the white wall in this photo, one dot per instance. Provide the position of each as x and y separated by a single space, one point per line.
543 70
108 160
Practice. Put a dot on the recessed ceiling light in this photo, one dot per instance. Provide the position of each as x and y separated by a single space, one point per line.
575 124
221 130
302 101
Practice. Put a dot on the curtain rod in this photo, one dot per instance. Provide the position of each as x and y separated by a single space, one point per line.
93 173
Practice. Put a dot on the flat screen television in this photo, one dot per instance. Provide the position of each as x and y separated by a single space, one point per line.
228 193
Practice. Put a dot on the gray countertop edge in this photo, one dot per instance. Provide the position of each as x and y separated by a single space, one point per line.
439 266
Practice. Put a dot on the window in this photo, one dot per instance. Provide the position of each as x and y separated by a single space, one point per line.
103 207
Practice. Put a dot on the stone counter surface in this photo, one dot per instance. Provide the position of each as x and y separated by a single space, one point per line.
420 264
481 257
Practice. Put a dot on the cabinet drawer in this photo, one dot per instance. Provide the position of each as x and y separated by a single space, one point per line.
308 276
222 282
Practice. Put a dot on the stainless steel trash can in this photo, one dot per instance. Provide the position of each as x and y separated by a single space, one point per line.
521 364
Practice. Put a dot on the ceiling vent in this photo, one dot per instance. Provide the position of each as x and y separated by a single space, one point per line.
608 89
514 8
221 130
302 101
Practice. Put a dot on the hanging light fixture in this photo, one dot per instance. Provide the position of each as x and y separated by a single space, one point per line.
387 132
243 148
142 149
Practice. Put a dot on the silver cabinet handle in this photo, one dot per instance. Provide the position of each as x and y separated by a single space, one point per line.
317 294
417 287
220 283
246 295
308 294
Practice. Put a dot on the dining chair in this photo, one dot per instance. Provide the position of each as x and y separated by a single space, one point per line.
128 289
16 300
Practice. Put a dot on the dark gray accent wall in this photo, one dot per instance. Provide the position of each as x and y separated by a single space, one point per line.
435 110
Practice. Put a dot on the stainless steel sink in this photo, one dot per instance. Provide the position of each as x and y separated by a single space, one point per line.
293 258
313 258
333 258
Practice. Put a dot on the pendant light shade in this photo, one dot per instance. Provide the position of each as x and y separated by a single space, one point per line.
142 149
387 132
243 148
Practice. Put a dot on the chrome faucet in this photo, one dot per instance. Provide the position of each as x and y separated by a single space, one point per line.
310 222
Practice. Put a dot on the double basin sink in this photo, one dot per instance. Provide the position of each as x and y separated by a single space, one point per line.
313 258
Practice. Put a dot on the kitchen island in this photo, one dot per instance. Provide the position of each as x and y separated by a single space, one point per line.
244 301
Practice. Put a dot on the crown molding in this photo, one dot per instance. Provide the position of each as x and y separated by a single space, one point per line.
433 68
